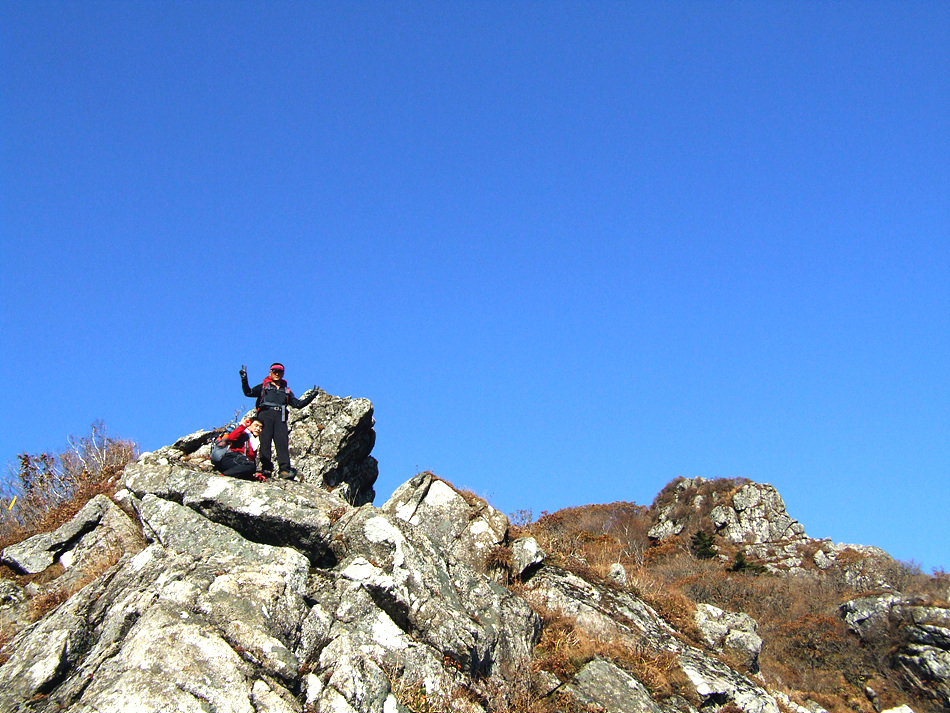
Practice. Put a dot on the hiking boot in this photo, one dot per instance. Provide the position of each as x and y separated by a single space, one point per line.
287 473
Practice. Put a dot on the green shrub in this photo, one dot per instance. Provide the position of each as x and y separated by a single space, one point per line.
703 545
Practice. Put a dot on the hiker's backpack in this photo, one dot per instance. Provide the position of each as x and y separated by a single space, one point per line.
219 447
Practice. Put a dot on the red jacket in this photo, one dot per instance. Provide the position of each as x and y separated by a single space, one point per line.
240 441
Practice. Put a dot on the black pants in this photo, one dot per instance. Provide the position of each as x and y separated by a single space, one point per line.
237 465
275 429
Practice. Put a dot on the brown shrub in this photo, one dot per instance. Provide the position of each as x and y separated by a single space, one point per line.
595 535
564 648
498 563
47 490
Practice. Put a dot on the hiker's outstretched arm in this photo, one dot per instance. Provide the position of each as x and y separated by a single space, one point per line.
237 432
300 403
248 391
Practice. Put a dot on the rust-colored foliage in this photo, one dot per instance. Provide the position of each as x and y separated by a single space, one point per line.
808 651
47 490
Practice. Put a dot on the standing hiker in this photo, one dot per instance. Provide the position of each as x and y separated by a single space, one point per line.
273 397
243 443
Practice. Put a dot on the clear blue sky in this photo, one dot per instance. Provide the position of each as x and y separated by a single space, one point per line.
569 250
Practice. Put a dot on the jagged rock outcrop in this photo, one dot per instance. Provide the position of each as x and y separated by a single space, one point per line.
744 513
243 596
751 518
466 528
756 513
330 444
924 657
198 592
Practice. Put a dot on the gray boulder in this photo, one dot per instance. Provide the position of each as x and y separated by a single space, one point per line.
193 441
465 528
298 515
618 574
611 689
865 616
735 631
330 444
526 555
99 526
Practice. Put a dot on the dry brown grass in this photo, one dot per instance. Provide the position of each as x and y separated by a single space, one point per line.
45 491
593 537
49 600
808 652
565 649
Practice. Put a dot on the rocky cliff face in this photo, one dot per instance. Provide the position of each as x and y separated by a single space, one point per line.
196 592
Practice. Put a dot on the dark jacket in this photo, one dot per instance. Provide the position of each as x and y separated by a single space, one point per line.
274 394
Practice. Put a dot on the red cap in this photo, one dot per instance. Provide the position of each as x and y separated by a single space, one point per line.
278 366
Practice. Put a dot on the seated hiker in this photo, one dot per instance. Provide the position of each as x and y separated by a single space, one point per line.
243 443
273 397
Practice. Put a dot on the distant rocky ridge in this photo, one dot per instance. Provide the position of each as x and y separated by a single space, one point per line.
197 592
752 517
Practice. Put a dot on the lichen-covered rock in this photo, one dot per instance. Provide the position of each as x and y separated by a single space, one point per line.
865 615
617 573
736 631
330 444
755 514
741 513
299 515
463 614
68 543
924 660
611 689
526 555
465 528
715 681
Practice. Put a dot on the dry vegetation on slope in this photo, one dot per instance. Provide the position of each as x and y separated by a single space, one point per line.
44 491
808 651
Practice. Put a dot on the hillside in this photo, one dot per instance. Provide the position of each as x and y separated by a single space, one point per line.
183 590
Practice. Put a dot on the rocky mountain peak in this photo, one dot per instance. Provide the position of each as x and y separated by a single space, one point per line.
737 510
190 591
